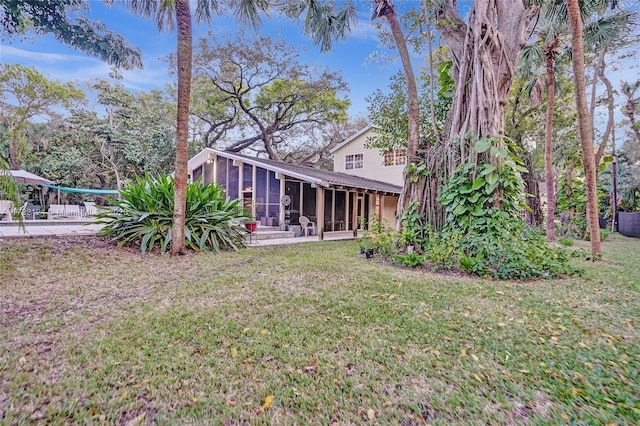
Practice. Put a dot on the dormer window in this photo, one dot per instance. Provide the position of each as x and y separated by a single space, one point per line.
353 161
397 157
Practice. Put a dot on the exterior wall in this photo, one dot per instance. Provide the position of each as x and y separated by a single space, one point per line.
389 206
374 167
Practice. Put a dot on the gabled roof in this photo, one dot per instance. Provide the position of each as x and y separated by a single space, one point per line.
312 175
352 137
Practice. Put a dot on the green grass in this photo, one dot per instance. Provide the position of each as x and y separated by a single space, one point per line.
89 334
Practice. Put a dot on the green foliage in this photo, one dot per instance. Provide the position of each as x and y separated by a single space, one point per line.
567 242
414 227
478 192
416 170
62 19
380 237
484 232
388 110
519 253
411 260
442 248
146 216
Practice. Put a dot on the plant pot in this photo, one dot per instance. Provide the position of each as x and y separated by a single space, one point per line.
251 226
603 222
368 253
629 224
409 249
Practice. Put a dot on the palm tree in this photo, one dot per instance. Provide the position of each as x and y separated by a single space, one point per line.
584 125
550 54
167 14
385 8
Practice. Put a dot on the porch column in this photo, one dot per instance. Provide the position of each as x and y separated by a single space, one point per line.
253 191
281 212
354 217
380 199
320 211
214 163
240 166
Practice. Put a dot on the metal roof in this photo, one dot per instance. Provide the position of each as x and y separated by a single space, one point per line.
324 178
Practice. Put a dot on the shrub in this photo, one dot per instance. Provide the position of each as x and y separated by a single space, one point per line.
567 242
411 260
484 233
145 217
380 237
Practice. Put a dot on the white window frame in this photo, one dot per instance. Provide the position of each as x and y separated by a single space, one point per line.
398 157
354 161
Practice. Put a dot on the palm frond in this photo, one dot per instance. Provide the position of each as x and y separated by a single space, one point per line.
606 30
247 12
326 25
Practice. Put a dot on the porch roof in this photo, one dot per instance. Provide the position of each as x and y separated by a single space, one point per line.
325 178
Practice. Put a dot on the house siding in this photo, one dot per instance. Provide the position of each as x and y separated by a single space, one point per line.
373 167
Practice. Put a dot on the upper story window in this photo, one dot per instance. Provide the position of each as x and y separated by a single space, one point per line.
395 158
353 161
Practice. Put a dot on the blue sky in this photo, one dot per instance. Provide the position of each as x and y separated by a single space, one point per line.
62 63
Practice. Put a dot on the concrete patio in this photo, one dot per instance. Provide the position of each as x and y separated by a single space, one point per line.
60 228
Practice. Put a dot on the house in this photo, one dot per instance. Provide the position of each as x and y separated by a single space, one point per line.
278 193
352 157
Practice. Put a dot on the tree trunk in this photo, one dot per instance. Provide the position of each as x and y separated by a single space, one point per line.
550 52
584 126
184 52
610 106
630 112
531 188
484 52
385 8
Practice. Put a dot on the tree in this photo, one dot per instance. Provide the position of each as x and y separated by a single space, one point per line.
631 105
53 17
386 9
584 125
259 86
168 14
26 94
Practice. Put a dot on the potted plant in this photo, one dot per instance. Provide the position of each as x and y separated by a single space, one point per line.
367 246
251 224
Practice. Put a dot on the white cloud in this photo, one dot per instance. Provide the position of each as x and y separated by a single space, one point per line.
14 52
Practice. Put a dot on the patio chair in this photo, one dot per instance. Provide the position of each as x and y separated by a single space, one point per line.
307 226
90 208
6 206
55 210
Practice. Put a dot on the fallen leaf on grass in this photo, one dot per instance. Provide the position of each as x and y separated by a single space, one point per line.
475 357
371 414
267 402
138 420
234 352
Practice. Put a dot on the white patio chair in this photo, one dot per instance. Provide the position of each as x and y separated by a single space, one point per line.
55 210
6 206
307 226
90 208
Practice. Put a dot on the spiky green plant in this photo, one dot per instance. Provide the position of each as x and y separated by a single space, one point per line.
145 217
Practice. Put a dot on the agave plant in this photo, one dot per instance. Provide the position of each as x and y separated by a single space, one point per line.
145 217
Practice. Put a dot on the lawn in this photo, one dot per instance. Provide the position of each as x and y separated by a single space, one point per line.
309 333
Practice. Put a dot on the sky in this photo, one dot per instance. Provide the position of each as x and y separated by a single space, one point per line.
350 57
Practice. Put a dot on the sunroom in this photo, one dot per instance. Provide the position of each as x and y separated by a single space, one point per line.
277 193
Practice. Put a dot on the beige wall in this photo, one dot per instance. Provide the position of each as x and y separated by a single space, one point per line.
374 167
